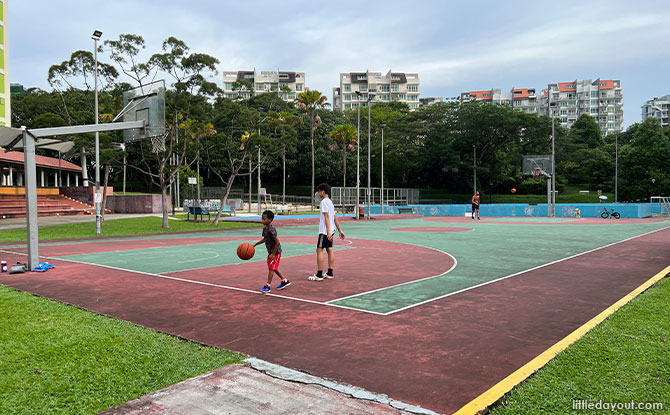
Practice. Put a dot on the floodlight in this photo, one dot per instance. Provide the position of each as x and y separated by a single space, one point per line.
96 35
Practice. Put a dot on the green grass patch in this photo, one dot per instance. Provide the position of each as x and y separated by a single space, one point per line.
58 359
118 227
623 359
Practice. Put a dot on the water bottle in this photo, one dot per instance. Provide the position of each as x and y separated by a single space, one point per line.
3 266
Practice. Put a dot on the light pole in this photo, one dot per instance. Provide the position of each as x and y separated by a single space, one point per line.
553 158
123 148
553 171
96 37
474 169
616 168
369 192
358 157
381 202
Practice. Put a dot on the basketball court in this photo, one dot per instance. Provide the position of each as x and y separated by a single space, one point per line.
432 311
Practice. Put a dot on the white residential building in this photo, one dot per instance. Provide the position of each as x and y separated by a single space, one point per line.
392 87
423 102
602 99
289 84
658 108
5 100
522 99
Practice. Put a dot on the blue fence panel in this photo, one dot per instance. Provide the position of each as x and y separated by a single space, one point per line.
587 210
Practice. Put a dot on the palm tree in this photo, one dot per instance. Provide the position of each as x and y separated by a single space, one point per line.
345 136
310 101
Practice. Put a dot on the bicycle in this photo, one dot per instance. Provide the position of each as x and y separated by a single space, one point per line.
610 213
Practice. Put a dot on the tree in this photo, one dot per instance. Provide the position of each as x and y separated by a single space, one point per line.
344 136
229 151
310 101
191 87
643 168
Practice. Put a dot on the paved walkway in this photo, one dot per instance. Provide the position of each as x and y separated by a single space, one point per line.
261 387
20 223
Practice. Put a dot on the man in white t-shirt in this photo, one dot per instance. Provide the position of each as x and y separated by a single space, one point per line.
327 224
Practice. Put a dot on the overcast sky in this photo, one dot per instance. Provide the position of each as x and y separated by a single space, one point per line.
455 46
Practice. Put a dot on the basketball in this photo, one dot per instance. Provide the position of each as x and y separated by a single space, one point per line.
245 251
513 190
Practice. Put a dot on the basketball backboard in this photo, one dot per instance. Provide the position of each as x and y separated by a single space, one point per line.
146 102
541 162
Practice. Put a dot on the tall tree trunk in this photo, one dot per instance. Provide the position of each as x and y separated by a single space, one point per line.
104 196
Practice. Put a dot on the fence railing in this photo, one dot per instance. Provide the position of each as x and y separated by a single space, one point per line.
346 196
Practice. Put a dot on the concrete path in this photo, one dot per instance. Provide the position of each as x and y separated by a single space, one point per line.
241 390
20 223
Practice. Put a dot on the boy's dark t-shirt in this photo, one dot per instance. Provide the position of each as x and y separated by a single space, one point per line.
269 235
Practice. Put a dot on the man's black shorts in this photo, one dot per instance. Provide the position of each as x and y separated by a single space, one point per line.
475 207
324 242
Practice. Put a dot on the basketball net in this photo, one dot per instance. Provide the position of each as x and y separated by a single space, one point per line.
536 173
158 143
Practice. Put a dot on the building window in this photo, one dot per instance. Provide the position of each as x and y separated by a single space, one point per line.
228 85
363 87
298 87
347 87
362 77
248 76
383 88
412 88
395 88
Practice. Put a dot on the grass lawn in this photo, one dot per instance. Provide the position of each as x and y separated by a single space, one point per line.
58 359
625 358
118 227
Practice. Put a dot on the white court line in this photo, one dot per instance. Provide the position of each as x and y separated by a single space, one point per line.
518 273
407 282
202 283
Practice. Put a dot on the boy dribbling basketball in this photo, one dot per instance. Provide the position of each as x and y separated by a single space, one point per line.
274 252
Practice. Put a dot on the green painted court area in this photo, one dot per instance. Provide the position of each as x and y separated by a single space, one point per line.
485 253
489 252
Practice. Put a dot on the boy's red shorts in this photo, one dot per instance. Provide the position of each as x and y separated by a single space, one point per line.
274 264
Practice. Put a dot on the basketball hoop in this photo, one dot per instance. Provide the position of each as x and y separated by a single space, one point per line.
536 173
158 143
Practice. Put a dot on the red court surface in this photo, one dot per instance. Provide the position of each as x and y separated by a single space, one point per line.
438 355
409 262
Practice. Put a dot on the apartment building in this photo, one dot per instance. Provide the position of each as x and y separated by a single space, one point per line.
5 101
602 99
423 102
658 108
287 84
373 86
522 99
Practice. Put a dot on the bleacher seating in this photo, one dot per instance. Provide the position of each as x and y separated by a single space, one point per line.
14 206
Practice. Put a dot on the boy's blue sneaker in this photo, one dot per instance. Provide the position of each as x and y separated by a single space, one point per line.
283 284
266 289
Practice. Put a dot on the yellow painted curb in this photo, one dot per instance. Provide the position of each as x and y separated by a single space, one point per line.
498 390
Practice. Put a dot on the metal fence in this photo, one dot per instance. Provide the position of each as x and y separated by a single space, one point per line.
346 196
